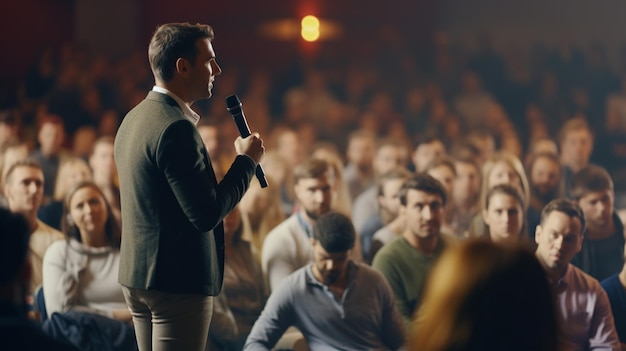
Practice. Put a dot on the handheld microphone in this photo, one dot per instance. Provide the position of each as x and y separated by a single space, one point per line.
233 105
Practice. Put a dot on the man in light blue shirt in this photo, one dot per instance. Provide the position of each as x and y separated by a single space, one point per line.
335 302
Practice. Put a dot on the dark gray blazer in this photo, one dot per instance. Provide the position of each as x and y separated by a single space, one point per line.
172 205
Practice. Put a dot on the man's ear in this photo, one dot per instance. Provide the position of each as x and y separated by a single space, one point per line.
182 66
537 233
6 192
484 214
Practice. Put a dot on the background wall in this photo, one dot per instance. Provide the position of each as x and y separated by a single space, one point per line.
513 23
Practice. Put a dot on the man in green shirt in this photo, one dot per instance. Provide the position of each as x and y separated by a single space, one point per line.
406 261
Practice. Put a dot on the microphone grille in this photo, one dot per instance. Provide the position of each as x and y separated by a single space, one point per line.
233 101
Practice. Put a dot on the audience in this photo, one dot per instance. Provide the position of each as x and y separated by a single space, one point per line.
479 111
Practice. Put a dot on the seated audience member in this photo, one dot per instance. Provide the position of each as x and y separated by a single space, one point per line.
17 331
465 194
23 187
576 144
504 215
359 170
9 123
80 273
389 211
603 248
342 202
50 154
390 154
543 145
502 168
337 303
442 169
243 279
482 296
615 287
209 133
83 141
427 148
71 172
260 212
387 203
104 172
485 142
545 178
9 154
287 247
584 309
406 261
223 329
278 169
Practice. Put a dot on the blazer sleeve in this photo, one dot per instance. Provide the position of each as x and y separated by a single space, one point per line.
183 160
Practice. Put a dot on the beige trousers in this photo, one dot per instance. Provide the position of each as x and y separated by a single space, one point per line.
169 322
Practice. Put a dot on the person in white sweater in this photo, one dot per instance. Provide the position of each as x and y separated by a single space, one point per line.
80 273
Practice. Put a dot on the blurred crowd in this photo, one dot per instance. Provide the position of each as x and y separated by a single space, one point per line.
526 126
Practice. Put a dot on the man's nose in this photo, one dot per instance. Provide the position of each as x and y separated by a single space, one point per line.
319 196
427 212
32 188
558 242
217 70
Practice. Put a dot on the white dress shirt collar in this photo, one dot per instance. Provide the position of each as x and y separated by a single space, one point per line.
190 114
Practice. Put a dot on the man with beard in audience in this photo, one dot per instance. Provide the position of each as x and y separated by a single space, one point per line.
406 261
335 302
602 251
287 247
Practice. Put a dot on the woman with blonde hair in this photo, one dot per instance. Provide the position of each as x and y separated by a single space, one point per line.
501 168
260 212
484 296
281 172
71 172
